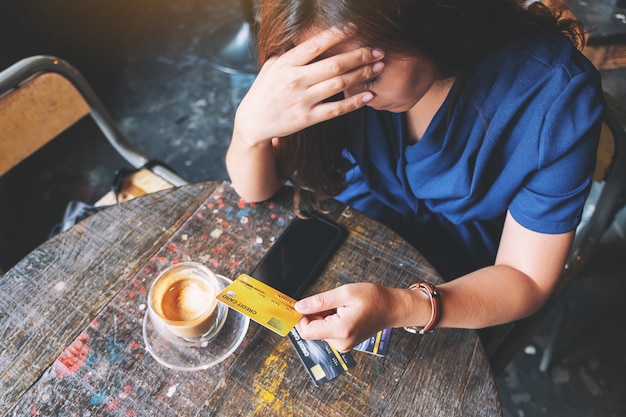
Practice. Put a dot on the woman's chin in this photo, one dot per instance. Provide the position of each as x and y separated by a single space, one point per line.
392 109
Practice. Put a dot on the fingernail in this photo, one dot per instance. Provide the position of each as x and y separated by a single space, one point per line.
301 305
377 53
367 97
378 67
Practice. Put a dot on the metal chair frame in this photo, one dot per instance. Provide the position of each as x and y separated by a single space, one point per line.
20 72
40 98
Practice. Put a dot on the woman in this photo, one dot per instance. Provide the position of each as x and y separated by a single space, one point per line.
468 126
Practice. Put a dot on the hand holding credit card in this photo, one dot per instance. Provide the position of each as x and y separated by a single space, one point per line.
274 310
292 263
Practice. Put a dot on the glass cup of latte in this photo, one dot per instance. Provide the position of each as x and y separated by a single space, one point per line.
182 304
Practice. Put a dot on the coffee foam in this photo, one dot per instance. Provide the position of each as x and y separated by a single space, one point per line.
186 299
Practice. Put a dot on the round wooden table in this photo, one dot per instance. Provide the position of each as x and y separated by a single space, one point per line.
71 318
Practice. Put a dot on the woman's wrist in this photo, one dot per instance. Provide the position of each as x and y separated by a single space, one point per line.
251 166
249 138
416 309
434 298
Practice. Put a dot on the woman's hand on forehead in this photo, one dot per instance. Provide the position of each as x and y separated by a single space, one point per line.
289 93
330 61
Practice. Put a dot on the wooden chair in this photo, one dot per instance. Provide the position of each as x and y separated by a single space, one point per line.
41 97
503 342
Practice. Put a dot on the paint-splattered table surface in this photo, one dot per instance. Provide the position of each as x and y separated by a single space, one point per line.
71 315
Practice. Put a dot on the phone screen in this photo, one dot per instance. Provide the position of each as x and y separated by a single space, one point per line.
297 256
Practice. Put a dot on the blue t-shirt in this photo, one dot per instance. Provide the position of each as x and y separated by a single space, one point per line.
519 133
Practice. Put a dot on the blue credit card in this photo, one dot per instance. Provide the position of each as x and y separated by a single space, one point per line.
321 360
377 344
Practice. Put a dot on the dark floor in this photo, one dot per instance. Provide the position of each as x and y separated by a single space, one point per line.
148 61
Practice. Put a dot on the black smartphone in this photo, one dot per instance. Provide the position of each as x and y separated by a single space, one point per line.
297 256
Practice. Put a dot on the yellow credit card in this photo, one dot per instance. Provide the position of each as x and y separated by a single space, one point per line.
262 303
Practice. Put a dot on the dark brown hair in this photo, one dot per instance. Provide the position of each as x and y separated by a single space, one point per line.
453 34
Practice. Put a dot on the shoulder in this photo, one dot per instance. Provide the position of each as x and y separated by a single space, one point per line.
533 60
537 71
544 53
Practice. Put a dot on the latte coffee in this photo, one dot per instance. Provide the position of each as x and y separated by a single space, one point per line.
182 301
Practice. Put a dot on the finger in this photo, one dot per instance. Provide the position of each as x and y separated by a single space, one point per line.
326 328
310 332
330 110
319 303
330 87
305 320
355 62
319 43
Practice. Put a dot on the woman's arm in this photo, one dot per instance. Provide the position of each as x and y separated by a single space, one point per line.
252 169
288 96
526 270
525 273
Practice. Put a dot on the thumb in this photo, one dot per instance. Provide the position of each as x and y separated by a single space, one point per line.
319 303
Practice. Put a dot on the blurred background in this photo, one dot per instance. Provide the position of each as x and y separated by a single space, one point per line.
149 62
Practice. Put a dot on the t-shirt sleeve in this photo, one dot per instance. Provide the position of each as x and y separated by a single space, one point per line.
552 198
